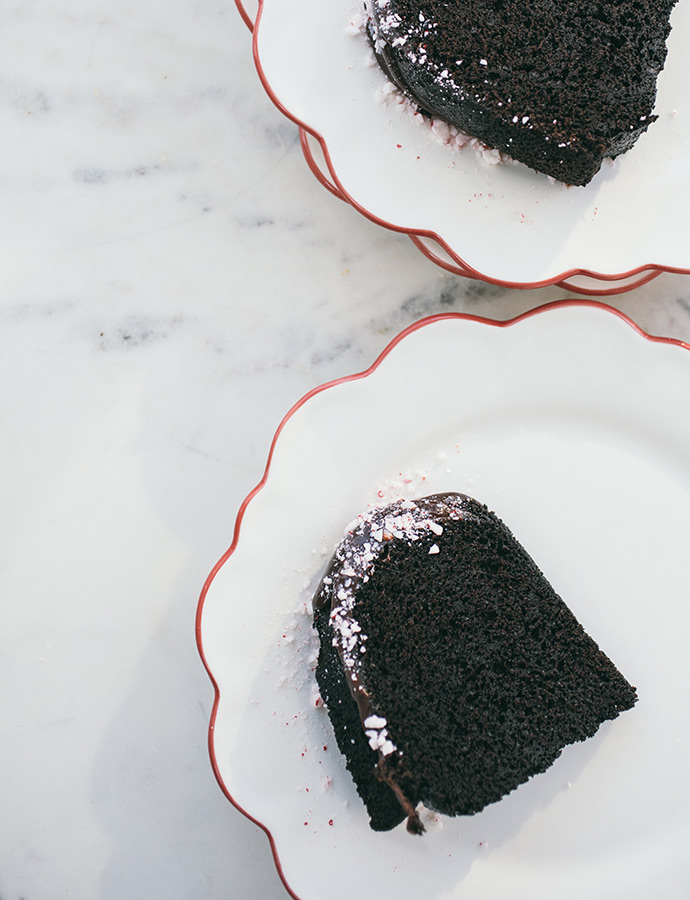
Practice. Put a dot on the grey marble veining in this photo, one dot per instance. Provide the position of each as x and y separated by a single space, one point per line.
172 279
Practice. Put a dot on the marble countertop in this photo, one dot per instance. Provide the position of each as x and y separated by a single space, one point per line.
172 280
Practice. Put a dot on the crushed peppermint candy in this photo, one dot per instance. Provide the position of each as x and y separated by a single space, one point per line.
375 722
376 731
387 28
353 564
445 133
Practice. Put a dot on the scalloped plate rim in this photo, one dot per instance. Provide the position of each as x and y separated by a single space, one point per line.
227 555
646 270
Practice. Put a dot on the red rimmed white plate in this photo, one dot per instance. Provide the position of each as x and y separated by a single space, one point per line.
572 426
499 223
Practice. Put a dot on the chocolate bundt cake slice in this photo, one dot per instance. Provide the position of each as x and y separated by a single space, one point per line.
555 84
451 670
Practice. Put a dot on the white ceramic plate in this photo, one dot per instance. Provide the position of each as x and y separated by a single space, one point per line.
502 223
569 424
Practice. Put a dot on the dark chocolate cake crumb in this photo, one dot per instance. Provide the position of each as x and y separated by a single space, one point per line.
451 670
556 84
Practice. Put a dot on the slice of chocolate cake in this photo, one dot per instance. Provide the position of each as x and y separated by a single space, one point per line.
555 84
451 670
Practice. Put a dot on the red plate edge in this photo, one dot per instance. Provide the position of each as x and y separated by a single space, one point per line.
456 266
415 326
647 271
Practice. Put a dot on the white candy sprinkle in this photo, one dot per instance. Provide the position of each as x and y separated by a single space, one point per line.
434 549
375 722
490 155
355 560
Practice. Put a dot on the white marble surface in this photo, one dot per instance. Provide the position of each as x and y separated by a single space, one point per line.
172 279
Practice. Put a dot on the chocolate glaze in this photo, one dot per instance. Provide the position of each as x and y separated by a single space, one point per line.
438 508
